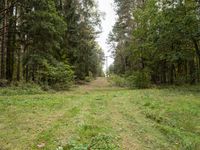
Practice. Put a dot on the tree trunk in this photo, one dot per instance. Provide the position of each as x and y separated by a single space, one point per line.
26 73
3 44
10 45
19 64
192 72
186 70
172 74
164 76
33 72
196 46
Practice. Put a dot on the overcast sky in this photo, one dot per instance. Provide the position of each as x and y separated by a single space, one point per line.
106 6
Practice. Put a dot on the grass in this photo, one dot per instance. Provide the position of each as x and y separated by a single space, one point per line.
105 118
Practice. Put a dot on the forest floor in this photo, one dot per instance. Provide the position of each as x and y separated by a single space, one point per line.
167 118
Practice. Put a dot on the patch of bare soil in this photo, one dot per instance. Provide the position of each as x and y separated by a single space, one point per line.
99 83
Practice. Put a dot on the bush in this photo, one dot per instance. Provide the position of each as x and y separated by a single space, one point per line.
59 76
4 83
116 80
181 80
139 79
21 88
89 78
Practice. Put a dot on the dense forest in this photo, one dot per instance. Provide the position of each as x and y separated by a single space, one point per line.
49 41
157 41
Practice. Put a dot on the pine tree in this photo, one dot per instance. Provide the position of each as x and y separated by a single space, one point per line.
164 41
45 41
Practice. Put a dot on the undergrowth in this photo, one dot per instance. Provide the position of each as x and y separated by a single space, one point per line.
21 89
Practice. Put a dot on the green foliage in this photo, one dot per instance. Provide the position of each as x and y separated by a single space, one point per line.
89 78
20 88
139 79
117 80
161 36
4 83
59 76
47 41
83 52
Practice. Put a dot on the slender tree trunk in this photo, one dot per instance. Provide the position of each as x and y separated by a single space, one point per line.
192 72
61 5
33 73
172 74
8 55
196 46
164 72
10 45
21 48
186 70
3 44
26 73
142 63
125 66
19 64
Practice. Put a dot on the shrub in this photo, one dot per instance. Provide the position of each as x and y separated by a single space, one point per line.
89 78
21 88
182 79
4 83
117 80
59 76
139 79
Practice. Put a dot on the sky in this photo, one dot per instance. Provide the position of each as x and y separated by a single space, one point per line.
106 6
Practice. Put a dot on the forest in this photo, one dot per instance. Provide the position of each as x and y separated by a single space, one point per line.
49 41
157 41
59 89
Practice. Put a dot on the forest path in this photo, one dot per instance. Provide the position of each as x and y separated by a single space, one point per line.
101 83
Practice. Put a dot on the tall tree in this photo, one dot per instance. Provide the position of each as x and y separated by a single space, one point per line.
164 41
45 41
3 42
81 34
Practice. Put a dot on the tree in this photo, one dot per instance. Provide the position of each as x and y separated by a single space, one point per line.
38 35
164 41
80 35
3 34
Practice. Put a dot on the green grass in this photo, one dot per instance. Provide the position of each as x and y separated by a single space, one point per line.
108 118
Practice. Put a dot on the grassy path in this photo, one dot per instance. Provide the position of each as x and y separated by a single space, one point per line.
135 119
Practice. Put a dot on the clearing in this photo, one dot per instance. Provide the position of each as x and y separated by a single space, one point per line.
167 118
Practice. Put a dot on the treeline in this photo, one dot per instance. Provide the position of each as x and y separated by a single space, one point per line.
49 41
157 40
